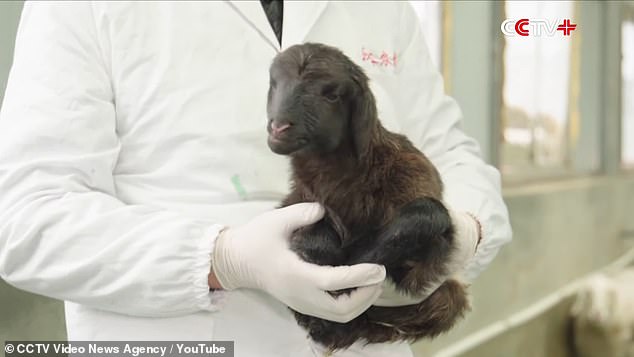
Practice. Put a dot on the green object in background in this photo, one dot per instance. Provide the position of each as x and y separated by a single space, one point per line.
235 180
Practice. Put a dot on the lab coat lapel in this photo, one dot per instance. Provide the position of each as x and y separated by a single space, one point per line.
299 18
253 13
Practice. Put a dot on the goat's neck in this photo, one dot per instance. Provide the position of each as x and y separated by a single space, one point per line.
340 168
315 171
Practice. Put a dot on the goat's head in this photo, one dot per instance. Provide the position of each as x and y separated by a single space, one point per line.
319 102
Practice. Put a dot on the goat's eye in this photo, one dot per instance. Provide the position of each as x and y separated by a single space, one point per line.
331 97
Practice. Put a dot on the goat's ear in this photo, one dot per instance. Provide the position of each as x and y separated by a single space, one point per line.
362 117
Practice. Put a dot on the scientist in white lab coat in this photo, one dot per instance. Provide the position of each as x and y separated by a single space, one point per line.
132 133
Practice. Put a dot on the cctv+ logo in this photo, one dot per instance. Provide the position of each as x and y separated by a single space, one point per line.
537 27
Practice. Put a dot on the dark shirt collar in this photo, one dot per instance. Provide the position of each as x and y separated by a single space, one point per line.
274 10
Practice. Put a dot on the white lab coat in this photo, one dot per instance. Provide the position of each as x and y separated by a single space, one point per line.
130 132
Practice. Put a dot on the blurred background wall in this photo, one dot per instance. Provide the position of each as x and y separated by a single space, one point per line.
555 114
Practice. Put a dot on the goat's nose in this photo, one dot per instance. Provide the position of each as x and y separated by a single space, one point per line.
279 128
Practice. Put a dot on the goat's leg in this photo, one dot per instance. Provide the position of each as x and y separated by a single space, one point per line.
415 247
318 243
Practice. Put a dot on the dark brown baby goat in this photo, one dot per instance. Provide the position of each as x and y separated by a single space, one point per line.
382 195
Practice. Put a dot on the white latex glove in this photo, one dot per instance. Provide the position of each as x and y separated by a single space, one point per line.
467 235
257 255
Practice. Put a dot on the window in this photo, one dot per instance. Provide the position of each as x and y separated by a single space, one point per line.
627 93
539 121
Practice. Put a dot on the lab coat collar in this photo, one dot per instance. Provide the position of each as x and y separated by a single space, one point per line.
253 13
299 18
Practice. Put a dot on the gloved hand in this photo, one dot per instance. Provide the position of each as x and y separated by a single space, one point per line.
467 235
257 255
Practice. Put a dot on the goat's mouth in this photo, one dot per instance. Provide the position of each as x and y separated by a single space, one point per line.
286 144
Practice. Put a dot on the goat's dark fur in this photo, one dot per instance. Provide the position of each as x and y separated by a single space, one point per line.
382 195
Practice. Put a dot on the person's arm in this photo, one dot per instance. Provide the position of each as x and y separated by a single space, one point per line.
472 192
431 120
63 232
